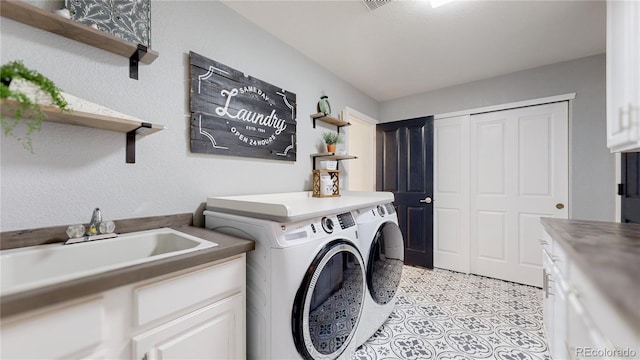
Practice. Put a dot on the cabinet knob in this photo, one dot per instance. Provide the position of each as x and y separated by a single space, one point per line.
559 206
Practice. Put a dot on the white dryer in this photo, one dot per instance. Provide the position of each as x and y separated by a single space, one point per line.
305 285
382 249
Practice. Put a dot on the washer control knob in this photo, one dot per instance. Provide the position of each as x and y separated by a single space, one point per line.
381 211
327 225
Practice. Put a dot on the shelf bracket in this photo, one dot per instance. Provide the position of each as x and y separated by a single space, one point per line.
131 142
134 61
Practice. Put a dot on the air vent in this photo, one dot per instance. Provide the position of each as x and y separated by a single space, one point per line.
374 4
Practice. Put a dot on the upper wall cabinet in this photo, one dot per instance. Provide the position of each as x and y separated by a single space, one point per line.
623 76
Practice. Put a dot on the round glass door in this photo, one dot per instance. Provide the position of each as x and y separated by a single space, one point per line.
328 304
386 258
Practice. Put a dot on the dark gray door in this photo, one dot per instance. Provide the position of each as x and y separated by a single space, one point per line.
405 167
630 187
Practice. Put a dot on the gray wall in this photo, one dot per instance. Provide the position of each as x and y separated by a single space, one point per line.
75 169
592 167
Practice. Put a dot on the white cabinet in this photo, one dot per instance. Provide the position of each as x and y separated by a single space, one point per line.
197 313
623 75
213 332
580 323
555 291
66 331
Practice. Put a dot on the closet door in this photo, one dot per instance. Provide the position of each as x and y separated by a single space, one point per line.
451 194
518 174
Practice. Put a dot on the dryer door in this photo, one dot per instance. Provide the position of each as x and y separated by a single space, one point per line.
328 304
386 258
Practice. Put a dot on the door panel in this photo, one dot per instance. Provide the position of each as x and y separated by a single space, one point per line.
491 236
361 174
491 157
519 163
405 167
534 150
631 187
390 165
528 239
416 159
451 189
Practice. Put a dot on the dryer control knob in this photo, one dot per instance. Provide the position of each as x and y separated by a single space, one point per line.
327 225
381 211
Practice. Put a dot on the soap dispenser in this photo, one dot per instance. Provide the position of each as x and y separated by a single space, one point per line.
96 219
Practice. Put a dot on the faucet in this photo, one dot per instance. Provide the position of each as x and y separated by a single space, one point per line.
96 219
92 232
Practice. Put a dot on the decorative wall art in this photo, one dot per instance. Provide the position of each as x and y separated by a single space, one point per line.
239 115
127 19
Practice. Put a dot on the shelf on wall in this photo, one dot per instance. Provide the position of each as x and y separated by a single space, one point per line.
25 13
130 127
333 156
329 120
330 156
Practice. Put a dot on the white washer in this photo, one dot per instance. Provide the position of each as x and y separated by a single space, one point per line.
305 285
382 249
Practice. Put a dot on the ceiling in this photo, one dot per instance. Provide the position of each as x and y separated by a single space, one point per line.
407 47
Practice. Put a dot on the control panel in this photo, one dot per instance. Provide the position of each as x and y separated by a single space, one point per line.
327 225
346 220
390 208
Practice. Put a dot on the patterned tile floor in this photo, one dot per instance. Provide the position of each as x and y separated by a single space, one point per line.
442 314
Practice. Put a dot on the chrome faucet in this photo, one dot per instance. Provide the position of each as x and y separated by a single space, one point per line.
96 219
92 233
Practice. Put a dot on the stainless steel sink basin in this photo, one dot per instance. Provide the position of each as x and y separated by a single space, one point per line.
37 266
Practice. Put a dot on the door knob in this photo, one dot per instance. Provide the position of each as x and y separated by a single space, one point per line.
426 200
559 206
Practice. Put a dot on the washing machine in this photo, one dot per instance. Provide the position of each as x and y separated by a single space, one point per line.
382 248
306 285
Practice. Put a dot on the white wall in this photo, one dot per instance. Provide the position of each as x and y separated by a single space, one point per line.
75 169
592 168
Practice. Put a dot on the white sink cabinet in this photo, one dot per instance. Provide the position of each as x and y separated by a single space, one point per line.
194 313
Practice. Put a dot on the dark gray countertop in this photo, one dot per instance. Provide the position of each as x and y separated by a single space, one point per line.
609 254
33 299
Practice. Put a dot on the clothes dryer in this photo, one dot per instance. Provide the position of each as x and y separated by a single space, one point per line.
305 285
382 247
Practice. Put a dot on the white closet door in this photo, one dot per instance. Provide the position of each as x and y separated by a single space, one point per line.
519 173
451 194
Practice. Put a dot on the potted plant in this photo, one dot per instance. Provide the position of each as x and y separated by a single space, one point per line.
331 139
29 89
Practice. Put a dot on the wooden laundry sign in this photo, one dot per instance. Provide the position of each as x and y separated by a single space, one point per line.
239 115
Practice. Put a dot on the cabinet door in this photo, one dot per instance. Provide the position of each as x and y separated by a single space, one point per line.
623 75
547 305
582 333
559 290
61 332
213 332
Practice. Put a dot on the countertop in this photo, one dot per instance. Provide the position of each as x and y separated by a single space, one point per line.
609 254
33 299
297 205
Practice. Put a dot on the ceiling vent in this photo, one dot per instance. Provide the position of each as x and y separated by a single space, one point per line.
374 4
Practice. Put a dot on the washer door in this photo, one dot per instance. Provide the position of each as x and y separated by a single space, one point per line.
386 258
328 304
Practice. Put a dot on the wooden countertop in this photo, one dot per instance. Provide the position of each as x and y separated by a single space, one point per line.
609 254
33 299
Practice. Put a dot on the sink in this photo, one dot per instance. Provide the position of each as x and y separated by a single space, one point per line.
36 266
